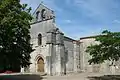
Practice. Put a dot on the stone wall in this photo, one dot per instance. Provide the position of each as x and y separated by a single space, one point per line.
43 49
84 43
48 13
69 46
95 68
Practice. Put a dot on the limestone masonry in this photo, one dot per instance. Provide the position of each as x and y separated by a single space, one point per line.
56 54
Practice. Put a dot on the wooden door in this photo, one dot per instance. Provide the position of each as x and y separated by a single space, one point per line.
40 65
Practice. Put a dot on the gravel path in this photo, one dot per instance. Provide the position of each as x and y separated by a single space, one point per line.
77 76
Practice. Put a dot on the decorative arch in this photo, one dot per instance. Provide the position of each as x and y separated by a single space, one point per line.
39 55
40 63
37 15
43 14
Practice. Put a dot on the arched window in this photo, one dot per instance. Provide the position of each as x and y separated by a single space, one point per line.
43 14
37 15
39 39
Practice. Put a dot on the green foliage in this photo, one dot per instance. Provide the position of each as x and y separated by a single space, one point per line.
15 44
107 49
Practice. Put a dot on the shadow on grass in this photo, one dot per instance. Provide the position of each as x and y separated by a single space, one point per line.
21 77
105 77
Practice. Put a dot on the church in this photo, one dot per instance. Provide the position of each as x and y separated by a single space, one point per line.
56 54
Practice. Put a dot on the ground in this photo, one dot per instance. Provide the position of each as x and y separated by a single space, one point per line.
80 76
77 76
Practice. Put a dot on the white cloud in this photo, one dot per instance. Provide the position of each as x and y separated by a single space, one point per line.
92 7
67 21
116 21
77 31
96 8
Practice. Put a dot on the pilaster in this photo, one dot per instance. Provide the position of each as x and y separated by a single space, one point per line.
51 37
76 56
49 59
60 57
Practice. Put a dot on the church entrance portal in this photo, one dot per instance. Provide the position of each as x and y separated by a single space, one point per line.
40 65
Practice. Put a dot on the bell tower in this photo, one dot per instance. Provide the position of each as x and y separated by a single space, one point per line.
43 13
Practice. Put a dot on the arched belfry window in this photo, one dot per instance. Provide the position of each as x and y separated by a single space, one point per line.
43 13
39 39
37 15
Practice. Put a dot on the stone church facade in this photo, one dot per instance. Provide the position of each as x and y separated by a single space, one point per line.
54 53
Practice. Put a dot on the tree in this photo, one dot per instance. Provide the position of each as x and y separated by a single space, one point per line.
107 49
15 47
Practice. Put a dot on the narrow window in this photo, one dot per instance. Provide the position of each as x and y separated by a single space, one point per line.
39 39
37 15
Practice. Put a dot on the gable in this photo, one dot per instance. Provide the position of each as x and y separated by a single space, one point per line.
42 13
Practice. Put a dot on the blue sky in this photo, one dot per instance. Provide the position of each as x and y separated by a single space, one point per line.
81 18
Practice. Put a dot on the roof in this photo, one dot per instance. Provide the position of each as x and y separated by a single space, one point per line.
69 38
89 37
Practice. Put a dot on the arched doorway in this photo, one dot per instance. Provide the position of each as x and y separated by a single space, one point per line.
40 65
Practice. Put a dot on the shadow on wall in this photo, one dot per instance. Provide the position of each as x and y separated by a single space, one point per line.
66 59
66 56
20 77
105 77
